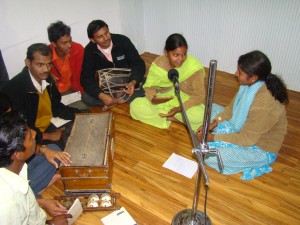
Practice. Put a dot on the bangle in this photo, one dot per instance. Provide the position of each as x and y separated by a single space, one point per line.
49 222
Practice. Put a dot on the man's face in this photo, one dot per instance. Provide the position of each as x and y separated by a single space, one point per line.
29 144
102 38
63 45
40 66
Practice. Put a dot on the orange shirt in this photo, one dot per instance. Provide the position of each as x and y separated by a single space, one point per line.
63 69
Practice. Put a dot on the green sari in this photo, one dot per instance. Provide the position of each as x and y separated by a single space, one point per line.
142 109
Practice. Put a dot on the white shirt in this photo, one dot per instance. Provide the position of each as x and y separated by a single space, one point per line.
18 204
36 84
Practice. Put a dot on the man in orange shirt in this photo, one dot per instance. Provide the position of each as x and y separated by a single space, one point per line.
67 57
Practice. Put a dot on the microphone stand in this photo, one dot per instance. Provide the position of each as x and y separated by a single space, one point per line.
193 216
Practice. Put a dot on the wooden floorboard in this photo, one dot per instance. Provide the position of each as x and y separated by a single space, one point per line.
153 195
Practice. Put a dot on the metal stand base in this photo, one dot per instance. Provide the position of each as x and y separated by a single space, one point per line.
187 217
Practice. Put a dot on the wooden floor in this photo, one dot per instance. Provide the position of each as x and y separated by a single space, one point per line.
153 195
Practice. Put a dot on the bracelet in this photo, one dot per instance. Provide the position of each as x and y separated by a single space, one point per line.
49 222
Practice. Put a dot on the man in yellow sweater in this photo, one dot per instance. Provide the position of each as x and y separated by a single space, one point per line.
33 93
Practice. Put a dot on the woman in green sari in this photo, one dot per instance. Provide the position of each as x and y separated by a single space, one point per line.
161 104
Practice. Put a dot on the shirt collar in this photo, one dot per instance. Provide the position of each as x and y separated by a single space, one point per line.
55 57
36 84
17 182
106 51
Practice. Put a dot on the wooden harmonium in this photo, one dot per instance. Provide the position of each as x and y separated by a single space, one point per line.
91 146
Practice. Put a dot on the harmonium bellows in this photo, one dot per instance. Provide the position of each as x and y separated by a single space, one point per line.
91 146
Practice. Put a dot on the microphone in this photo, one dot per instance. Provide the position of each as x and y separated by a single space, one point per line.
173 76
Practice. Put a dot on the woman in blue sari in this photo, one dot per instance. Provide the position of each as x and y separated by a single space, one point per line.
249 132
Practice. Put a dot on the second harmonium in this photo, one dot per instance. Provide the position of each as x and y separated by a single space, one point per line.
91 146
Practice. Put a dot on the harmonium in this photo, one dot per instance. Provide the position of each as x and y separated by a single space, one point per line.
91 146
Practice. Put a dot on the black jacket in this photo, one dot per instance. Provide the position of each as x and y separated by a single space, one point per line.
25 98
124 55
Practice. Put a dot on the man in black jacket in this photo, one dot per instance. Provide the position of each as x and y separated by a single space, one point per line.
34 93
106 50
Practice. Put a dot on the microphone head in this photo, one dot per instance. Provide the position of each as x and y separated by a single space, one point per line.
173 74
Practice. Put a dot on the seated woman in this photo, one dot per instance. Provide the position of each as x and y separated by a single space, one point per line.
161 105
250 130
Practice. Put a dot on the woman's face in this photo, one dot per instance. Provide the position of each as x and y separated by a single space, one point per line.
177 56
244 79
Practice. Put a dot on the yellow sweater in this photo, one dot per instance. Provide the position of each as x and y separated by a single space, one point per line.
44 113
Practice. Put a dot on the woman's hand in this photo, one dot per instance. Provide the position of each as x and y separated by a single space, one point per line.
50 154
157 100
172 112
210 136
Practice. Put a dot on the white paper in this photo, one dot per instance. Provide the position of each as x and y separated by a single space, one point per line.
181 165
70 98
58 121
119 217
75 211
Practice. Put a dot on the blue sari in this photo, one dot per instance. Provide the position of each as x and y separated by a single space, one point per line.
251 161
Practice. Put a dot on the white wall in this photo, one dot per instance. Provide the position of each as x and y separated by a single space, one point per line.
25 22
223 30
214 29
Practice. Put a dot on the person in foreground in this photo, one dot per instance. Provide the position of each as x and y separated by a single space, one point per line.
106 50
161 105
34 94
250 131
17 144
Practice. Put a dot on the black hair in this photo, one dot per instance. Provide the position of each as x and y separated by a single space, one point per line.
174 41
38 47
57 30
13 129
5 103
257 63
95 26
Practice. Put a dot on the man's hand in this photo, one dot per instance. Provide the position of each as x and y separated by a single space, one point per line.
50 154
53 136
107 99
130 88
61 219
172 112
157 100
52 207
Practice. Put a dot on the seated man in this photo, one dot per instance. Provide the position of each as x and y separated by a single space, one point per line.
17 144
106 50
34 93
67 57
